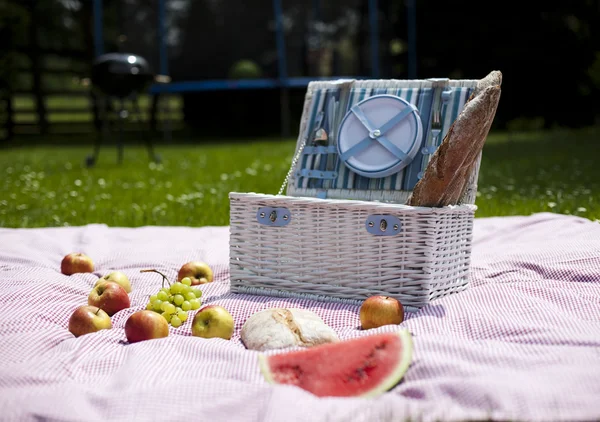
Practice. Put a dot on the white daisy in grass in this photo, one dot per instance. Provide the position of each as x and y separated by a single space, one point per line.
581 209
551 204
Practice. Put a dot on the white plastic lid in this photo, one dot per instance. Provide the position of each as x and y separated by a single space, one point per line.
380 136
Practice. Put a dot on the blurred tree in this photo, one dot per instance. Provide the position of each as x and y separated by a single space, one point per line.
550 59
544 56
14 21
13 32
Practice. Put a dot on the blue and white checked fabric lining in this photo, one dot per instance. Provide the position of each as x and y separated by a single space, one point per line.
347 179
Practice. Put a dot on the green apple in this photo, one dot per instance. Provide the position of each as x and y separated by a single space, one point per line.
88 319
145 325
213 321
197 271
117 277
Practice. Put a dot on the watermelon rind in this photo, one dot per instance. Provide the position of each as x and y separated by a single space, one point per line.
385 385
398 373
263 363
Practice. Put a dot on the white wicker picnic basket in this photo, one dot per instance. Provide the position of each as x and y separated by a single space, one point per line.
342 231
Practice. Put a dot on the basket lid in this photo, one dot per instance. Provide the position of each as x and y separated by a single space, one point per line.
380 135
340 156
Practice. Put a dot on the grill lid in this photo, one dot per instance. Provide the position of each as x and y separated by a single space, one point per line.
121 74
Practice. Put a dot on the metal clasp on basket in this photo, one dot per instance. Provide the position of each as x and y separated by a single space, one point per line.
274 216
383 225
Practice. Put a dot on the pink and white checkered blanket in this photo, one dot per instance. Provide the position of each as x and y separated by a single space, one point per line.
523 343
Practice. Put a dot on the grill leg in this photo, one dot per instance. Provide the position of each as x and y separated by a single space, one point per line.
122 117
101 127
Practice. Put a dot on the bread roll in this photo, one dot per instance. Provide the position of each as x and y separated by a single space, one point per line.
281 328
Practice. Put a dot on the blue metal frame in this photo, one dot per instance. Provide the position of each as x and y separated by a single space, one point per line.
162 35
228 84
282 81
280 39
98 28
412 38
374 29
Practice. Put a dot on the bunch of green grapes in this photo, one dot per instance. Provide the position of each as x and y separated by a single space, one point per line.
174 302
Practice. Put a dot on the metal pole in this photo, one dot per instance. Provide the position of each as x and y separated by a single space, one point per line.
282 69
162 35
280 39
412 38
316 6
374 32
98 33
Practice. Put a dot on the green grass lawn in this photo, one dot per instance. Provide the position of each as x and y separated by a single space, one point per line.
44 186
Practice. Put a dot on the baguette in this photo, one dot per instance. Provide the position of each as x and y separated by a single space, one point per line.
451 167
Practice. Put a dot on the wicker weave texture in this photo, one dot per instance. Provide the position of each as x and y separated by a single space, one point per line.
325 252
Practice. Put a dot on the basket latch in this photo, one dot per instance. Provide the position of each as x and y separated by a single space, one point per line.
274 216
383 225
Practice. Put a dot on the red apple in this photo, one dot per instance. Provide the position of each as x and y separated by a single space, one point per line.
76 262
145 325
197 271
88 319
213 321
118 277
377 311
110 297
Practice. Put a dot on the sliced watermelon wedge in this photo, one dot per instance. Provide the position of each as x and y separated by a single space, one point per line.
366 366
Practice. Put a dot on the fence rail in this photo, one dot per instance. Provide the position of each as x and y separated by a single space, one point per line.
46 109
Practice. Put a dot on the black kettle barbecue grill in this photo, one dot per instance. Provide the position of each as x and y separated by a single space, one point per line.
119 77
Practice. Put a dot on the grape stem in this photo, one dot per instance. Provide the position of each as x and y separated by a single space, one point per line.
156 271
